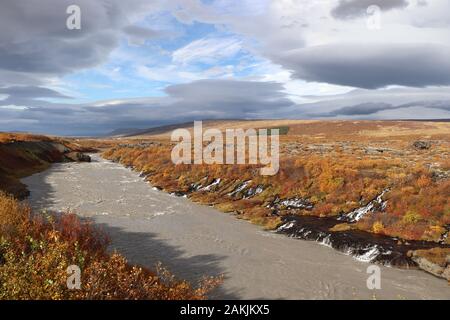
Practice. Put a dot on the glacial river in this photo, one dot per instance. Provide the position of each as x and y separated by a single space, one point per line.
192 240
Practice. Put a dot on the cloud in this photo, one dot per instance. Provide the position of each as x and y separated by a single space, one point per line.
35 42
138 35
349 9
442 105
204 99
270 41
431 102
371 108
361 109
219 99
208 51
274 25
410 111
301 36
371 66
23 97
229 99
31 92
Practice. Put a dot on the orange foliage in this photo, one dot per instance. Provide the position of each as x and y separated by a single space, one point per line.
335 180
36 250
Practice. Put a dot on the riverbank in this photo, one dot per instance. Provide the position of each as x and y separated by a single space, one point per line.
193 240
22 155
383 226
38 248
45 256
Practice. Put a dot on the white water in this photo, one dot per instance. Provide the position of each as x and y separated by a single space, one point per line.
147 226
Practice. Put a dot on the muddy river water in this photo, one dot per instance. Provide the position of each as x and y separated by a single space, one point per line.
192 240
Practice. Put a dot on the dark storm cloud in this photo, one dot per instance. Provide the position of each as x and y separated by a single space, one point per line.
214 99
227 90
349 9
371 66
205 99
361 109
412 103
371 108
34 39
29 96
229 99
442 105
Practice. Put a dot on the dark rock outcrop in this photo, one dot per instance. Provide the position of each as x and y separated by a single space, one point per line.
365 246
422 145
19 159
78 157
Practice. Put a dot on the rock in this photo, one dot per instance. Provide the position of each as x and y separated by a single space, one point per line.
437 175
433 263
78 157
429 266
446 273
372 150
178 194
422 145
294 203
142 145
61 148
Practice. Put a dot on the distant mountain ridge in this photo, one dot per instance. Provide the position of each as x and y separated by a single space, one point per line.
221 123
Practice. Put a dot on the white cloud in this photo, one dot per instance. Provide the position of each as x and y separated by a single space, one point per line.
14 107
207 50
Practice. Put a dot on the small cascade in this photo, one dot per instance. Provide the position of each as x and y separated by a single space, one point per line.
363 246
209 187
239 188
444 237
378 204
291 203
251 192
197 186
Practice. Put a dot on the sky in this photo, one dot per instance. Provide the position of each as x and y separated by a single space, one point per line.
144 63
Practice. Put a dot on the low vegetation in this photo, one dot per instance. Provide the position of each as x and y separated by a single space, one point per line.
37 249
327 169
332 168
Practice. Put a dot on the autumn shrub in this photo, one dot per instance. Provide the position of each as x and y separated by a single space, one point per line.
334 182
378 227
37 249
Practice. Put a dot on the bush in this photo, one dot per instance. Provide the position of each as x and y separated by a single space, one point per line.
334 182
35 251
378 227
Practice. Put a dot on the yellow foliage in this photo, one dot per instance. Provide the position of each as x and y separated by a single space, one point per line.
411 217
378 227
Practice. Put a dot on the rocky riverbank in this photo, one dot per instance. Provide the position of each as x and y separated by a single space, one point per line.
368 247
372 206
192 240
338 232
24 155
